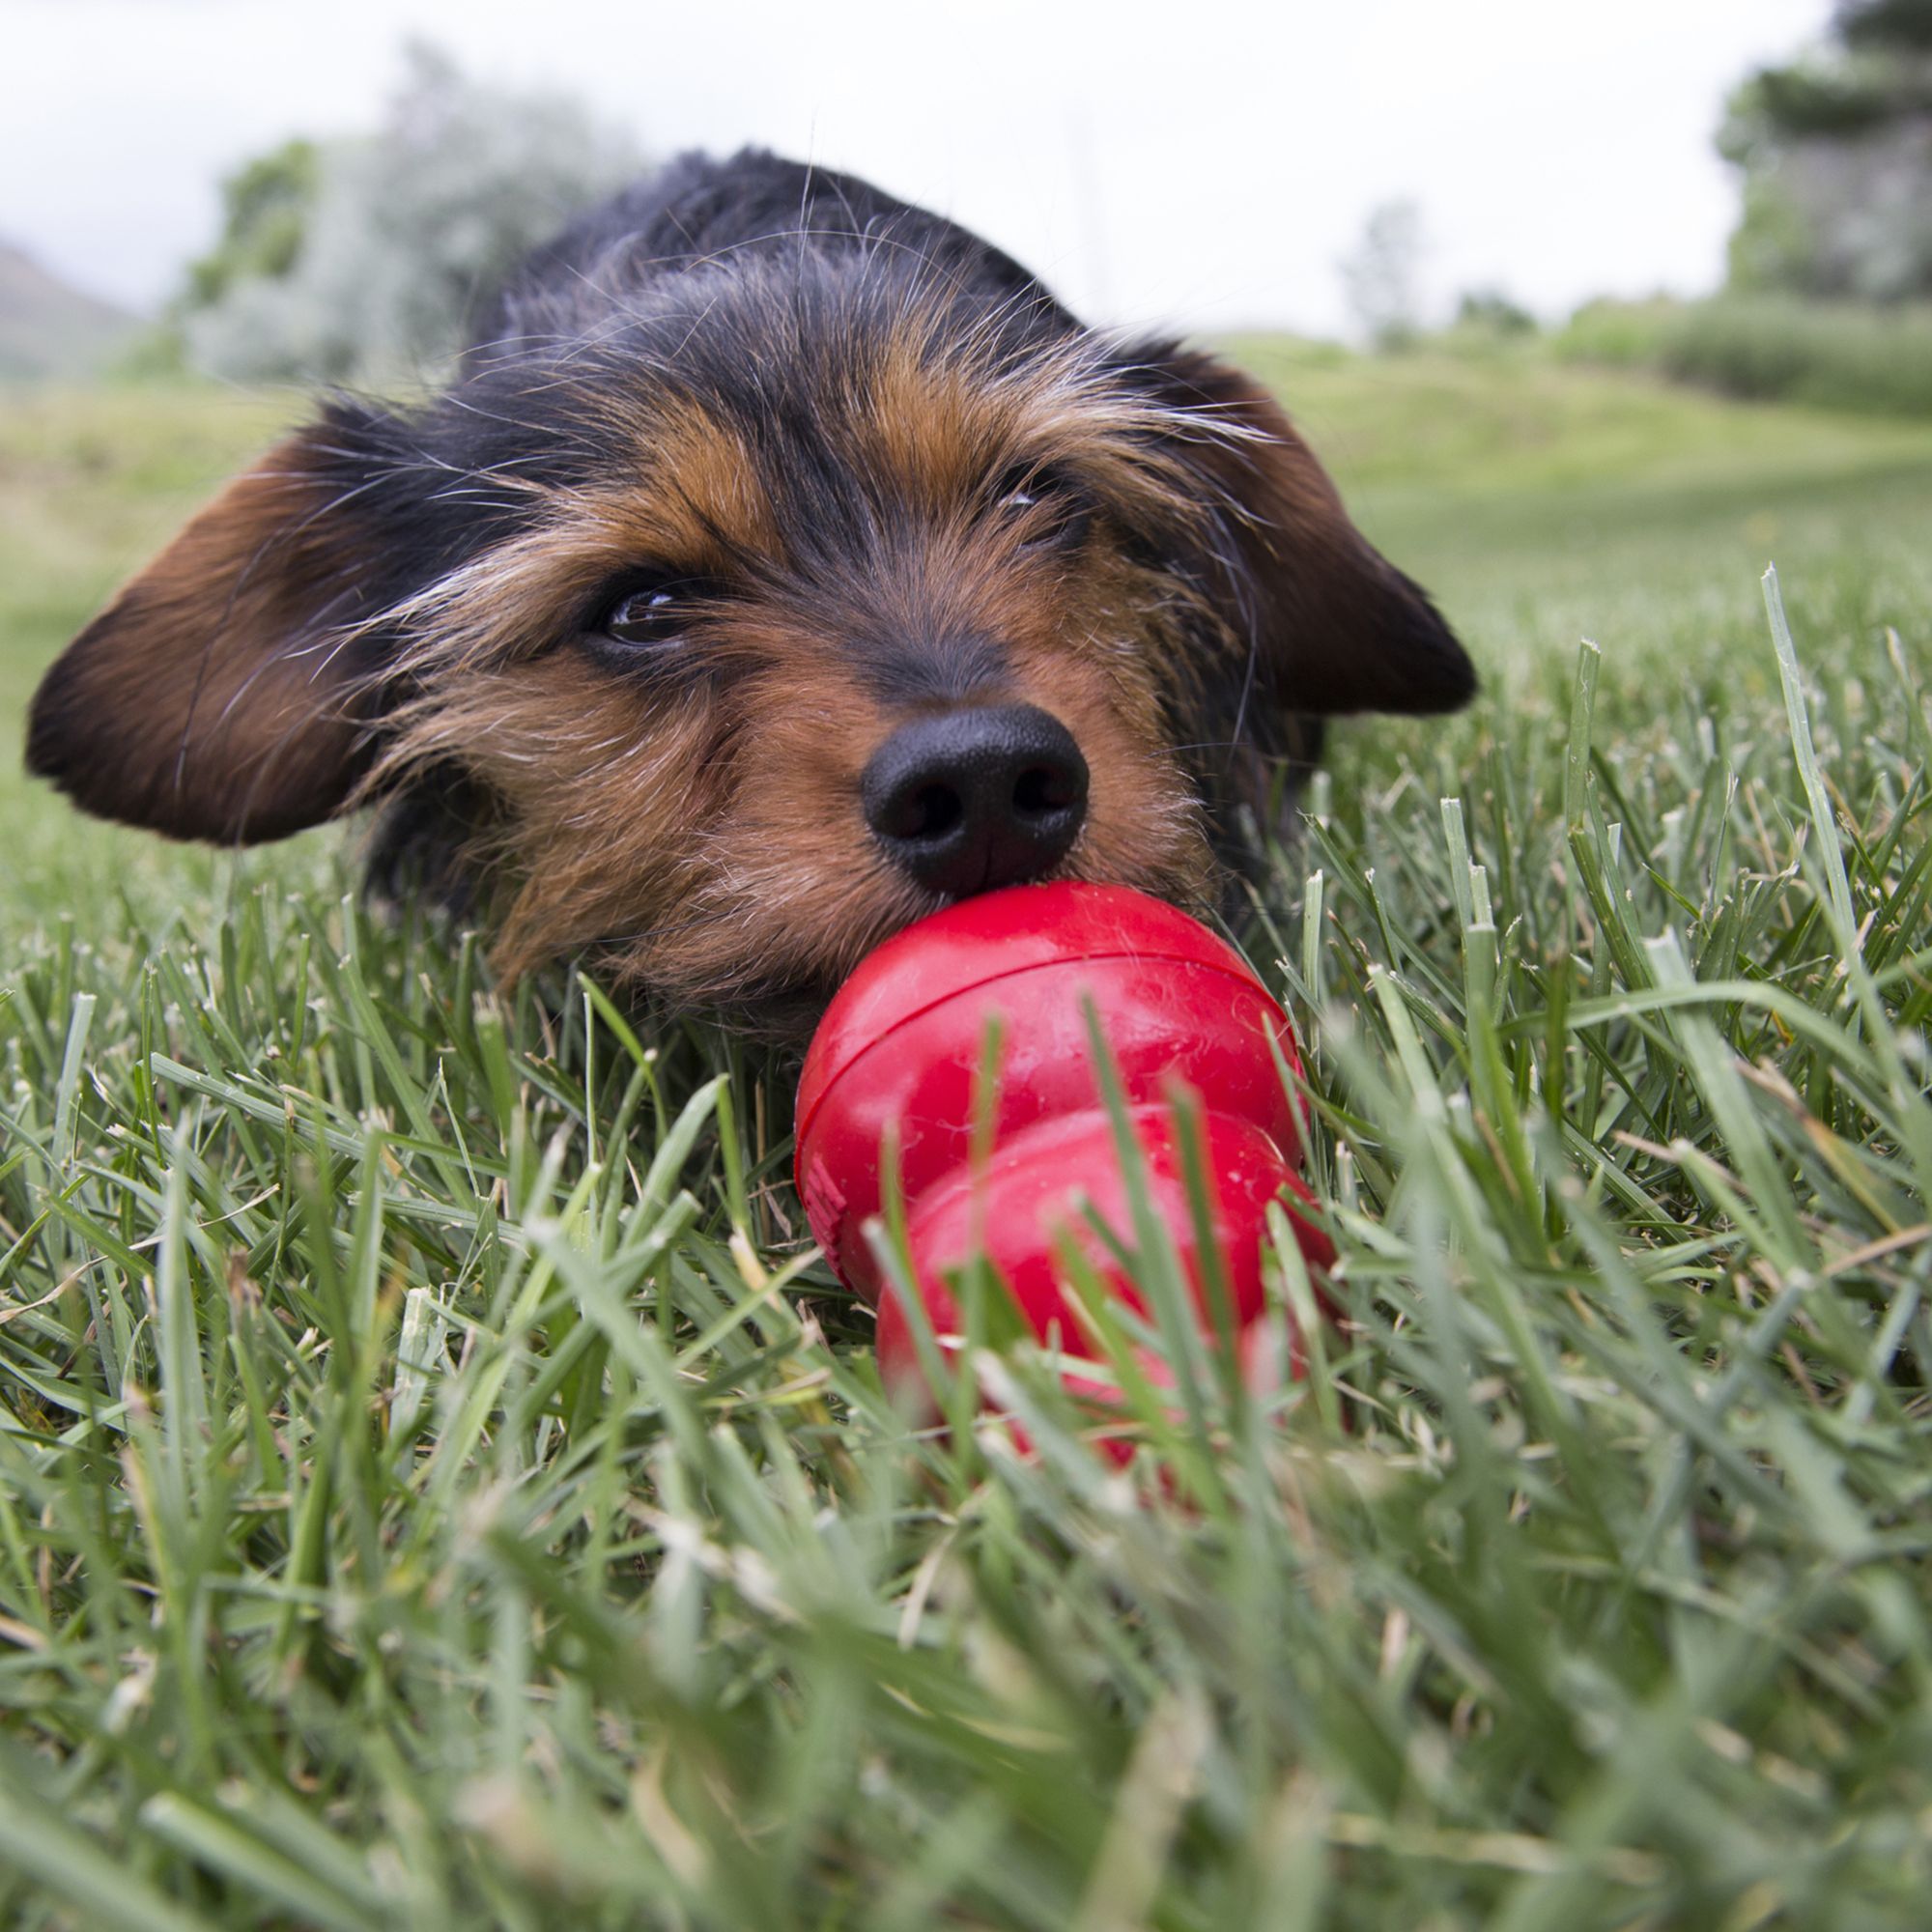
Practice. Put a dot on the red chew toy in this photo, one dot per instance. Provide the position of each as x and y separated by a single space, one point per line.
900 1049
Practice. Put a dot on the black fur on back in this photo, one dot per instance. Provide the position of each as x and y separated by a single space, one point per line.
698 211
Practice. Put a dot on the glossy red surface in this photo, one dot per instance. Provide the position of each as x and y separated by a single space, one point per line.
900 1047
1038 1192
899 1055
994 937
1025 1213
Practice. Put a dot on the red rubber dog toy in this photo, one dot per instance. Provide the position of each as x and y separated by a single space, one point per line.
900 1047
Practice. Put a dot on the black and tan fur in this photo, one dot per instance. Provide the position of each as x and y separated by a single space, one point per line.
859 467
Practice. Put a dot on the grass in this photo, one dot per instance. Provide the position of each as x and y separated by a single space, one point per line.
439 1487
1543 502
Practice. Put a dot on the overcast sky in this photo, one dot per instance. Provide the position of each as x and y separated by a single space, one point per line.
1194 161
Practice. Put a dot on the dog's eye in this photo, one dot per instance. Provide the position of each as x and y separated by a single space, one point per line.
657 612
1042 506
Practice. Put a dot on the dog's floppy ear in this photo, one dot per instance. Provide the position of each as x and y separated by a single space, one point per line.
1331 624
222 694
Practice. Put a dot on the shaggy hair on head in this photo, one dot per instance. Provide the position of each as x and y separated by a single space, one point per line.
767 516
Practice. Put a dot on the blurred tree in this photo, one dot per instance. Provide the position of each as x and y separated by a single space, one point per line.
1382 275
1896 26
265 206
361 260
1836 149
1493 311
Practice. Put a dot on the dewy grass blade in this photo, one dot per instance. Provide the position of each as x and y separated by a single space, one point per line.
1458 843
223 1845
1311 955
62 1855
1582 722
1158 1264
1824 822
182 1391
66 1123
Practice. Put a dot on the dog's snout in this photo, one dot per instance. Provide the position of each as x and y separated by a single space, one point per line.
990 796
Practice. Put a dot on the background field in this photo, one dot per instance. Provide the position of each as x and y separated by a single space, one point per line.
437 1488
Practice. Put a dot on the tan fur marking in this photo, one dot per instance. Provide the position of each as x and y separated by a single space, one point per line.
705 838
712 843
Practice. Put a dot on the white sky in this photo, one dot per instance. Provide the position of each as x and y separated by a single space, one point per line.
1194 161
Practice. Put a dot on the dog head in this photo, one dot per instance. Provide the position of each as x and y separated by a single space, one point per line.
753 610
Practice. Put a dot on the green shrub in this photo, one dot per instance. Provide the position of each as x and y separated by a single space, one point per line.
1831 355
1491 309
1617 334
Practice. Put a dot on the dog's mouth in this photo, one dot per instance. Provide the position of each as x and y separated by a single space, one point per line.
760 912
768 973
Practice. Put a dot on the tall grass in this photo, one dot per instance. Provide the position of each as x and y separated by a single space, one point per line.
437 1488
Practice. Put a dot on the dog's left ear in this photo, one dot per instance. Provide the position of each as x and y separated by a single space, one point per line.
223 693
1332 625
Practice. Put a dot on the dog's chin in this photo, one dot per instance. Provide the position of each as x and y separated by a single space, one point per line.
768 1009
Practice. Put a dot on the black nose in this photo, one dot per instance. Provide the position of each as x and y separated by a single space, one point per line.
976 799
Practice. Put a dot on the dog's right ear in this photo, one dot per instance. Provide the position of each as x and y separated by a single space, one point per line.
225 692
1330 625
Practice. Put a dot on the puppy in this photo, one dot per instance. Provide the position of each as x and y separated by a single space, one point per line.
781 563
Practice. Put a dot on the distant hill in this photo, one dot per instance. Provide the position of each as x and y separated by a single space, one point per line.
50 329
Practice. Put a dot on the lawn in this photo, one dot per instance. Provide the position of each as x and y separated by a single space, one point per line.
438 1487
